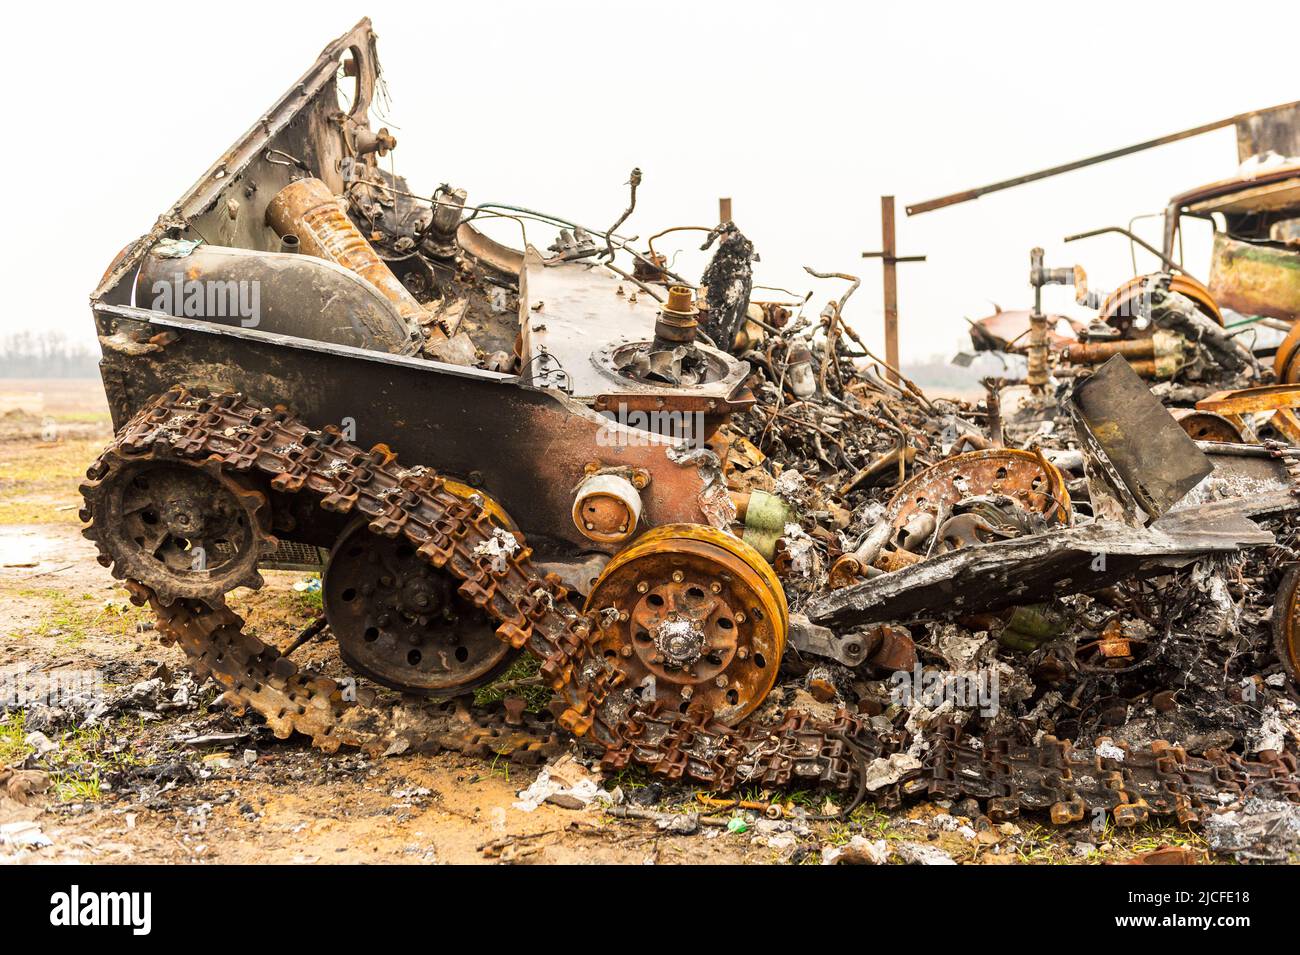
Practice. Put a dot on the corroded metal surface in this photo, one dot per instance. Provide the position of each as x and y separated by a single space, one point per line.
1155 460
1256 279
1208 426
183 528
308 209
1286 622
1027 477
400 622
540 443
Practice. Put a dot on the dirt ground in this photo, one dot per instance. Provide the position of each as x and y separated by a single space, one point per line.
134 785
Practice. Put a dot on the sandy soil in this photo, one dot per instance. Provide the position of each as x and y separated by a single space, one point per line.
130 788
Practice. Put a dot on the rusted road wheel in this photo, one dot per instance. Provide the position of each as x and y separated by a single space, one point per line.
401 622
693 615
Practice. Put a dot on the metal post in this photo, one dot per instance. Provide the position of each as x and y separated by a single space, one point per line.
890 259
891 283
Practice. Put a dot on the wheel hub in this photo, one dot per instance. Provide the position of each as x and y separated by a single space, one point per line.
182 517
681 640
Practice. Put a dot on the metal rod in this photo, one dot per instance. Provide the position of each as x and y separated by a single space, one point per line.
969 194
1168 262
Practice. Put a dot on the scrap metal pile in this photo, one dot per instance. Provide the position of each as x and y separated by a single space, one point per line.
741 550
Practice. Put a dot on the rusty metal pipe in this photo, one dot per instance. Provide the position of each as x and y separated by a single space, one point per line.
309 210
1095 353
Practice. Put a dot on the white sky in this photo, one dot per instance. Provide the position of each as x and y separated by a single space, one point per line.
804 113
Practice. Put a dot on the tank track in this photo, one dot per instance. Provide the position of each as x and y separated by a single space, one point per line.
535 613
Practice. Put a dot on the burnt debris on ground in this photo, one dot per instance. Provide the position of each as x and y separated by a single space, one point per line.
702 528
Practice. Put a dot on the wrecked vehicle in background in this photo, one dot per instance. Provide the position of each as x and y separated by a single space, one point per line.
666 494
1190 336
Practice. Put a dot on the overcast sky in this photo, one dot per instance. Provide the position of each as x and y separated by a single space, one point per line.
804 113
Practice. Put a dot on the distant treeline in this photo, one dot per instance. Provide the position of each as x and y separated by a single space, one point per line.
46 355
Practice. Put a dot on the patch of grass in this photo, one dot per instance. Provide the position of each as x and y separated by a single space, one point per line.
71 789
521 678
875 824
311 601
82 417
82 759
12 748
73 618
500 766
36 479
85 755
631 777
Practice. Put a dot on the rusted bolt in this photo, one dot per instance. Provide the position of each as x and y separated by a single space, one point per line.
720 680
678 576
514 707
642 587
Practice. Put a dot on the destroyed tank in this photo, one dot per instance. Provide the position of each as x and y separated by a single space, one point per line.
490 452
486 450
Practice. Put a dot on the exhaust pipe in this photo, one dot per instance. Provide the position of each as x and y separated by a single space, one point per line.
308 210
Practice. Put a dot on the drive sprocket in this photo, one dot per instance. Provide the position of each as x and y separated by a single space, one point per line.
185 528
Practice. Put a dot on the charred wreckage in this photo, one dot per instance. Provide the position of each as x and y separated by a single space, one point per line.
742 549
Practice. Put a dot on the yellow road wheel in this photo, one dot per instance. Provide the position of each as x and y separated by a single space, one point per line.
693 615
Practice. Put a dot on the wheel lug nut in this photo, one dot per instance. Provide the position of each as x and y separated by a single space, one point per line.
720 680
742 653
687 693
715 587
642 587
626 651
678 576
